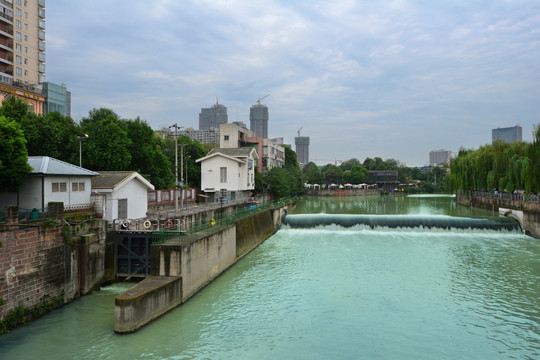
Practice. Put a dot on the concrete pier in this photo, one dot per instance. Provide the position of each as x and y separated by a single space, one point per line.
147 300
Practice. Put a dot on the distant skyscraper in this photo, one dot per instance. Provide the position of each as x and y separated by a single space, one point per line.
213 117
258 120
302 149
57 98
508 135
439 157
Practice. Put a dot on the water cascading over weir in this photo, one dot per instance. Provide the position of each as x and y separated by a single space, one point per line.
402 221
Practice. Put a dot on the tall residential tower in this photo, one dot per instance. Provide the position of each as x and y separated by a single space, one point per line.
22 50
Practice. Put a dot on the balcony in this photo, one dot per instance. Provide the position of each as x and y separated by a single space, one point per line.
6 61
41 35
41 13
41 68
7 17
6 45
41 57
41 46
42 24
41 3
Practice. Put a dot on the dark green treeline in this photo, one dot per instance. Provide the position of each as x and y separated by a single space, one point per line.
501 166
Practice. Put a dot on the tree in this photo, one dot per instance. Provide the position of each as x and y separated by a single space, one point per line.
279 184
332 174
193 150
147 154
356 175
52 135
107 147
312 173
14 109
13 154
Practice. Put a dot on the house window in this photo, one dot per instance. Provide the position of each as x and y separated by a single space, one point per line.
122 208
18 47
222 175
77 186
59 187
226 137
18 24
18 59
18 71
18 36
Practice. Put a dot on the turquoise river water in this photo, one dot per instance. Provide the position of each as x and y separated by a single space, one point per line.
332 292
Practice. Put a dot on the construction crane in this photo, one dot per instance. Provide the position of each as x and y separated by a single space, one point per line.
264 97
300 130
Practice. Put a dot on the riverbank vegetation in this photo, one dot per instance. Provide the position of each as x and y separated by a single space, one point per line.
108 142
499 167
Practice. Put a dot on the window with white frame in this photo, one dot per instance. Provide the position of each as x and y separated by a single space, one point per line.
77 186
222 175
59 187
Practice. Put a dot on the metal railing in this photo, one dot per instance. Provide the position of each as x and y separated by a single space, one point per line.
182 233
515 196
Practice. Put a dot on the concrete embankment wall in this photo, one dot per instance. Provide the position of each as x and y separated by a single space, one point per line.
202 260
527 213
197 263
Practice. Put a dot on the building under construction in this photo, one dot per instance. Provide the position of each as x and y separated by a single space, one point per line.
212 117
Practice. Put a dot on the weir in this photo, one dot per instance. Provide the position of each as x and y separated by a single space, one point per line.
402 221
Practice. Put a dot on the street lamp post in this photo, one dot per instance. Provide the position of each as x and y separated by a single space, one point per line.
81 137
176 127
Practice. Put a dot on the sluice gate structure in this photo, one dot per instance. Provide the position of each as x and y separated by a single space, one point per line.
179 261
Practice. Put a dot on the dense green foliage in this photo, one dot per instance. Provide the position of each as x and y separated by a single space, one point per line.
286 181
502 166
112 144
193 150
13 154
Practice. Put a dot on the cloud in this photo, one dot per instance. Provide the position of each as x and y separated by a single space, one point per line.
391 79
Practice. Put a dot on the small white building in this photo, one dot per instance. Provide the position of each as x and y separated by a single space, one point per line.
51 180
125 194
232 170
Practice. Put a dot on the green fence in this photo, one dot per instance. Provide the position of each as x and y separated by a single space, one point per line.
183 233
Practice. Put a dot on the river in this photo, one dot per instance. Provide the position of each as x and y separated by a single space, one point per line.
332 292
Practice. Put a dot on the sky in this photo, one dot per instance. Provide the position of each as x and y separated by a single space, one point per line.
395 78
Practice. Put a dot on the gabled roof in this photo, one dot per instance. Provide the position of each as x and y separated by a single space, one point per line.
231 153
115 179
45 165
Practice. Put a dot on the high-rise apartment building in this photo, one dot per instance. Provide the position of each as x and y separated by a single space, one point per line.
302 149
22 50
508 135
258 120
213 117
439 157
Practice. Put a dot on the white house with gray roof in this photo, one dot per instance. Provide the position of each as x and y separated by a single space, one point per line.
230 169
125 194
51 180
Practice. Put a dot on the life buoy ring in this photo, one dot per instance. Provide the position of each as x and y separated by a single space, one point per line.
168 224
126 224
147 224
212 221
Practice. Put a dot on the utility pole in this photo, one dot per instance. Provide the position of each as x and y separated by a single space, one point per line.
175 126
182 173
81 138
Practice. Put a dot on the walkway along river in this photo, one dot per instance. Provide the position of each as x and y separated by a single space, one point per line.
332 292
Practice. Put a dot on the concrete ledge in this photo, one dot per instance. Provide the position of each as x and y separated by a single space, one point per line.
146 301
